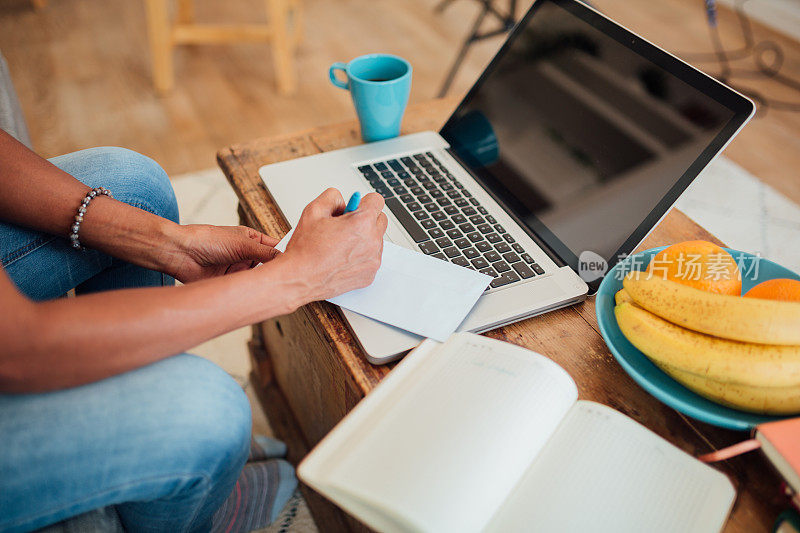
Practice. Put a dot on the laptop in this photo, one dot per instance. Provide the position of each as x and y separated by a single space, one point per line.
572 145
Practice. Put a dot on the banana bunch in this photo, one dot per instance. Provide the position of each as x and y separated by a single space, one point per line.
739 352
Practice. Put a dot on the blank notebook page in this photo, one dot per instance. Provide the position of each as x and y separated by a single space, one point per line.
602 471
448 450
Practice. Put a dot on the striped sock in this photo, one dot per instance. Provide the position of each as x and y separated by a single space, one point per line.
263 448
258 497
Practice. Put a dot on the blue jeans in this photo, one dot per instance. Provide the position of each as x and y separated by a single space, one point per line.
164 443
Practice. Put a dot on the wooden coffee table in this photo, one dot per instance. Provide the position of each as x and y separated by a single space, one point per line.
310 371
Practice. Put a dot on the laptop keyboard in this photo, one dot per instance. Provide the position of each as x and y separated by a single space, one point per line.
446 221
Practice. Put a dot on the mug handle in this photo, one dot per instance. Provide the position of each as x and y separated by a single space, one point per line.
332 73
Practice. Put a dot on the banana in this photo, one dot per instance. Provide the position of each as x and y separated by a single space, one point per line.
729 317
761 400
755 365
622 296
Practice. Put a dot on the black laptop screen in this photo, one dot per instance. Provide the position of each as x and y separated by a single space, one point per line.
586 133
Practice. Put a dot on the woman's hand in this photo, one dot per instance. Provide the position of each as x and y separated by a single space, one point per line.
205 251
332 253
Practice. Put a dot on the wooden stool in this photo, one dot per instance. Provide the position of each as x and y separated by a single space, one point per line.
283 30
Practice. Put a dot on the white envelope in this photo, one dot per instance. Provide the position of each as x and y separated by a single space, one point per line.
415 292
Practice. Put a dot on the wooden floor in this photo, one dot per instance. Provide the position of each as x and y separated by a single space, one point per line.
83 73
769 146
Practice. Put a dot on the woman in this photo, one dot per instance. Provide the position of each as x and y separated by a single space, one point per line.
96 408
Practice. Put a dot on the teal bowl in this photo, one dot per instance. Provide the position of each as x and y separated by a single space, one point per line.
648 375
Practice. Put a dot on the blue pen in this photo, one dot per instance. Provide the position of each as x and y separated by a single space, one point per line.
352 204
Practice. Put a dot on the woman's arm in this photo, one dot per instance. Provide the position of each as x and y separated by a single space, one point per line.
68 342
71 341
36 194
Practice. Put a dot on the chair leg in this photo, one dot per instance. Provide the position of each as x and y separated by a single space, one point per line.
282 49
462 52
185 11
298 23
161 44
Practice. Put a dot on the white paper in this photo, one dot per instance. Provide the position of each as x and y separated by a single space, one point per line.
444 438
415 292
450 444
603 472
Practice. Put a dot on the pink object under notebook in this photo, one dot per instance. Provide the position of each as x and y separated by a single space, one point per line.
780 442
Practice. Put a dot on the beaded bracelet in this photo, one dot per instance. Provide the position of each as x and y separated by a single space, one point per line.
76 226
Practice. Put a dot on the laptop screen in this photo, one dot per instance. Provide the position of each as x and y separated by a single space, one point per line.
587 134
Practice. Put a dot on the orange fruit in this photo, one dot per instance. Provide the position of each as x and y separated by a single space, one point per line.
699 264
776 289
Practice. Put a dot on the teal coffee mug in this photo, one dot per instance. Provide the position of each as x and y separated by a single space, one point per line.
379 85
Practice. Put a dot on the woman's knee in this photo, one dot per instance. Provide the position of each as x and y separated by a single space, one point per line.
212 415
176 431
139 181
130 176
203 438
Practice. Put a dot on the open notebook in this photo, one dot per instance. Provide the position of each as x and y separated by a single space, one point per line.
480 435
